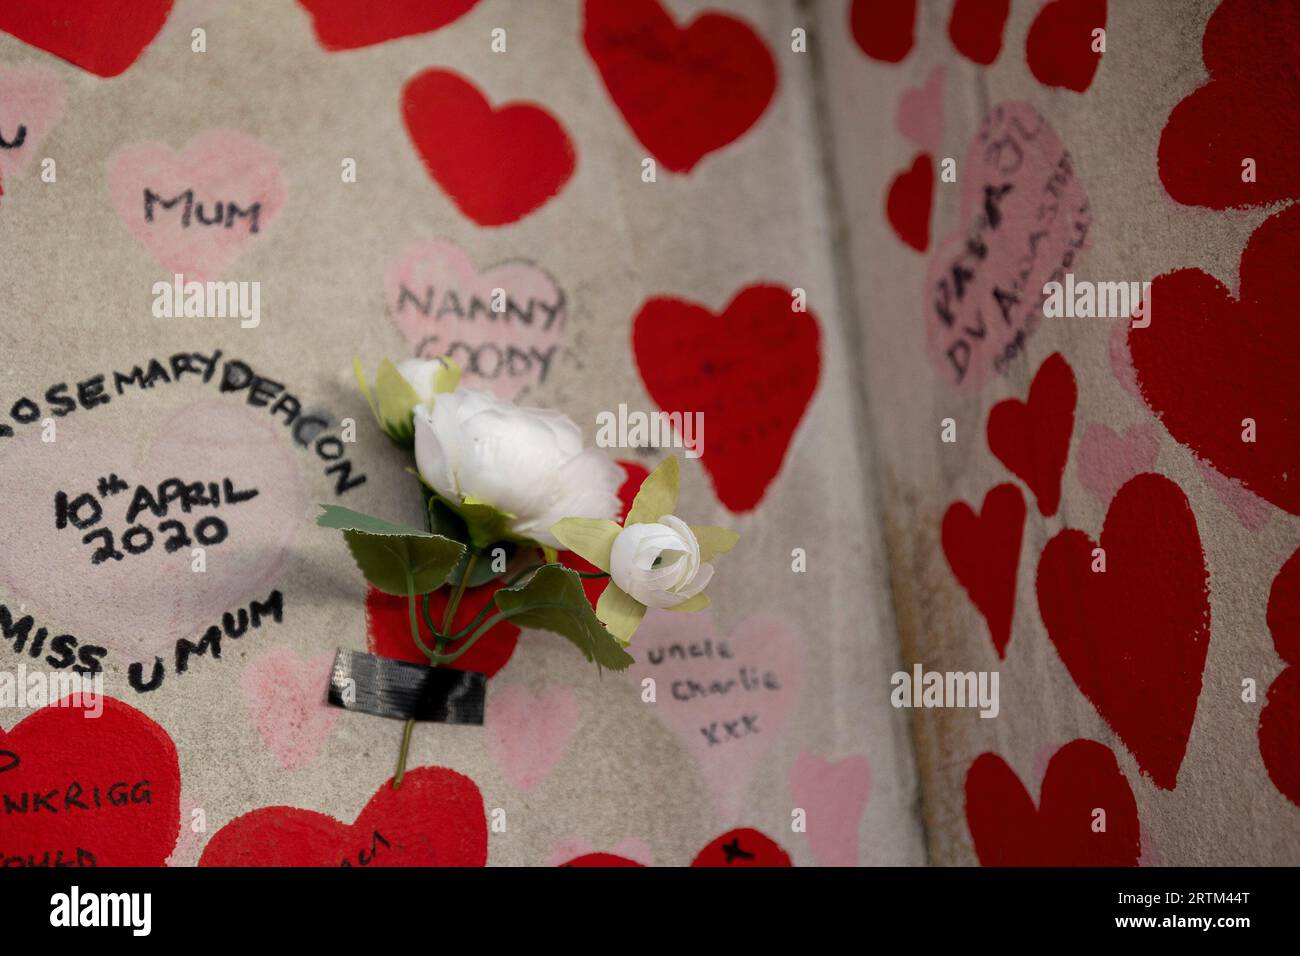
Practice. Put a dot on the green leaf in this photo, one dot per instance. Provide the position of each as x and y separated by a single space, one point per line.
389 554
621 612
713 540
658 494
590 538
397 401
553 600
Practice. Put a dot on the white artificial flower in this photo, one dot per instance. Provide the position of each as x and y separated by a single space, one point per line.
423 375
658 563
526 462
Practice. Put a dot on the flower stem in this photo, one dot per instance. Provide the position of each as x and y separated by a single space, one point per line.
435 658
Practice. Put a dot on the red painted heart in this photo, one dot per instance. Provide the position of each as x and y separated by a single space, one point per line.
436 818
984 552
908 202
349 24
1134 635
976 26
685 92
83 790
1279 744
388 628
1032 438
1082 778
496 165
1250 108
601 860
1208 362
751 371
744 847
884 29
1059 47
103 37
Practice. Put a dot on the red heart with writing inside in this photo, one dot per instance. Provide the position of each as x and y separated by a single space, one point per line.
976 26
1082 778
1249 109
742 848
93 790
884 29
435 818
908 202
103 37
685 92
1134 635
1208 362
496 165
984 552
750 371
1059 45
1279 744
349 24
1032 438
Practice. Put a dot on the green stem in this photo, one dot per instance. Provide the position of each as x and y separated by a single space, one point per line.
486 626
401 754
454 603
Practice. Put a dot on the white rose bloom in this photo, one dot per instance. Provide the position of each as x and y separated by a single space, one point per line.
421 375
659 563
527 462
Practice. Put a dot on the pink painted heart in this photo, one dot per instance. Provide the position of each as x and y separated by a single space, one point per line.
31 102
1121 361
1248 508
528 734
285 695
920 113
144 600
502 324
1107 459
834 796
199 209
728 697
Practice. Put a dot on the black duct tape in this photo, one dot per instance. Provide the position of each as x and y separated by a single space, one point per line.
388 688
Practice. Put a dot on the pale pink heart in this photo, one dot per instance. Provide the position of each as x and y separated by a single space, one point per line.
142 603
730 701
1108 459
504 341
1248 508
1150 856
920 113
570 848
1024 221
189 844
1121 362
31 101
229 183
527 734
834 796
286 699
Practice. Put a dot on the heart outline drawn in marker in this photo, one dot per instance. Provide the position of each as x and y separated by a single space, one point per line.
457 314
1134 637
